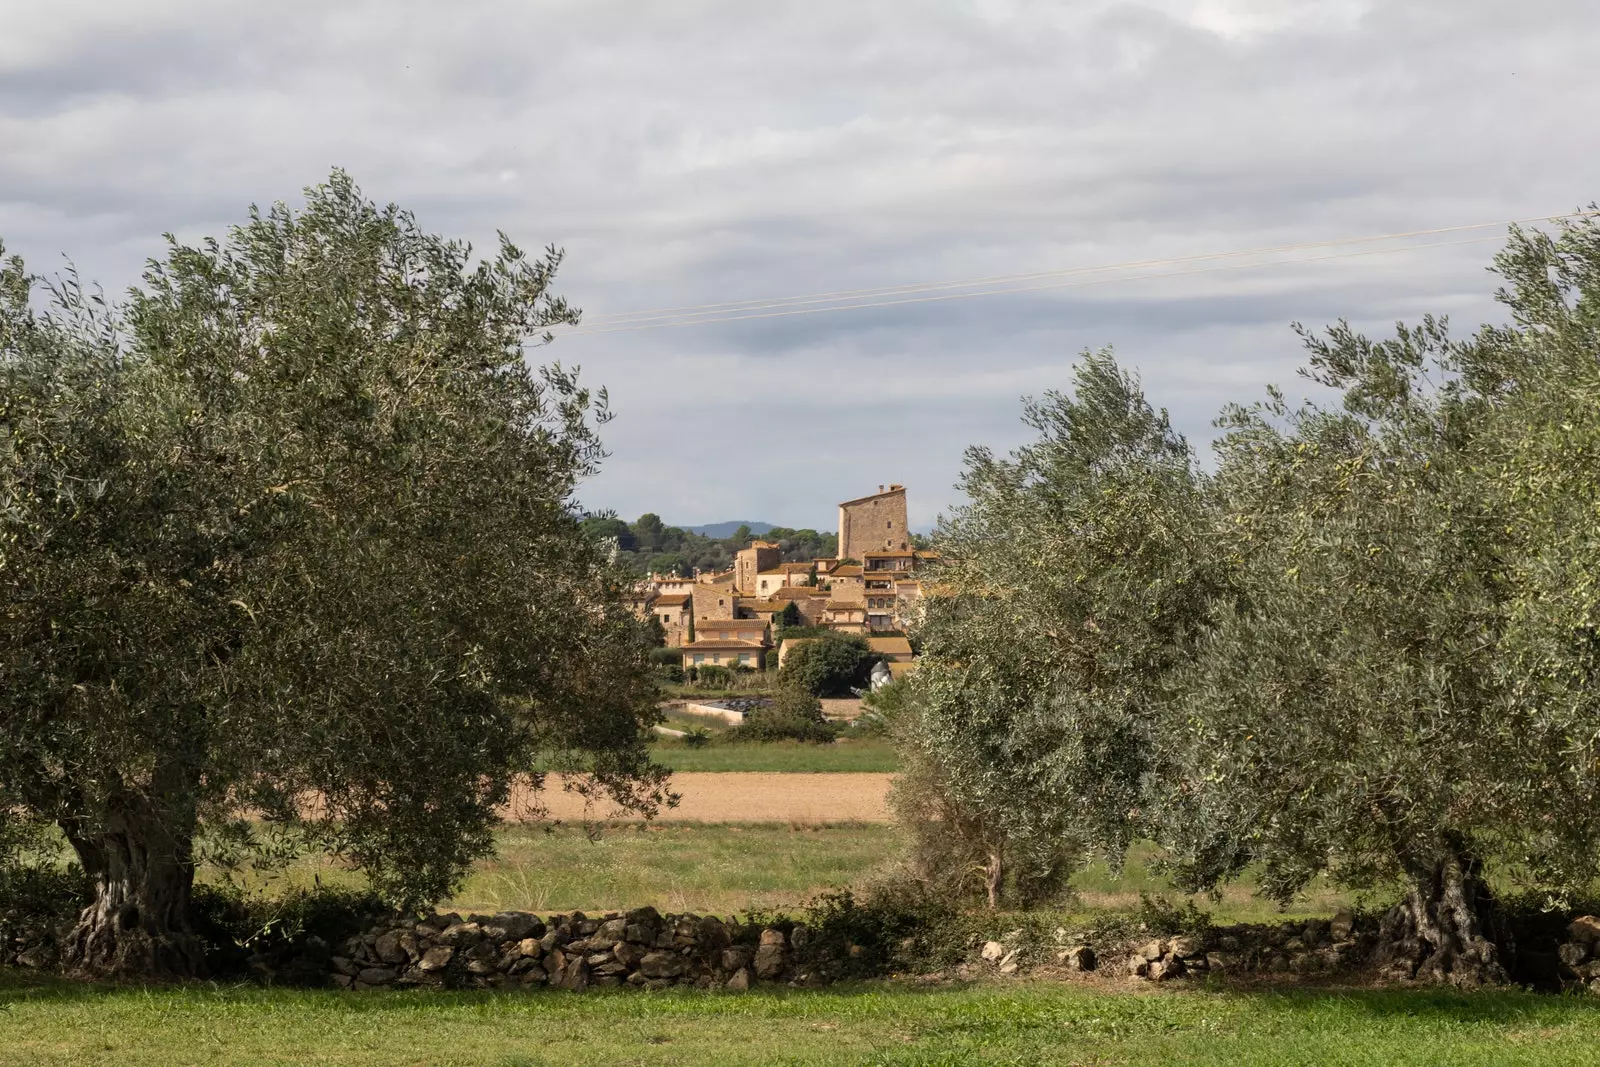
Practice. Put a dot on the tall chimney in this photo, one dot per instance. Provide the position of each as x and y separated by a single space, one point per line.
880 488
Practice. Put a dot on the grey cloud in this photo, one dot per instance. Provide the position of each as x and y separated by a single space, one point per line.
697 152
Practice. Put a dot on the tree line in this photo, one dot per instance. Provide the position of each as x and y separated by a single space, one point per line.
649 546
1362 645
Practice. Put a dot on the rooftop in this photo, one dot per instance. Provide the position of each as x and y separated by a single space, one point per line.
873 496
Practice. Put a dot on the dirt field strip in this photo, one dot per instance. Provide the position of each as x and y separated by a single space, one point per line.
740 796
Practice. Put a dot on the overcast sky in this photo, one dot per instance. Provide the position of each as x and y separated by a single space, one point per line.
688 153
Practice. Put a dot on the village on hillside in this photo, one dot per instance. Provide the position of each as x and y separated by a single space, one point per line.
872 587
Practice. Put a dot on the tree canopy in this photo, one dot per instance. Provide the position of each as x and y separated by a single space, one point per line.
1364 647
1075 578
292 535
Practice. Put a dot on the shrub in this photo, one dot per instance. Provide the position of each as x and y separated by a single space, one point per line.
831 665
794 715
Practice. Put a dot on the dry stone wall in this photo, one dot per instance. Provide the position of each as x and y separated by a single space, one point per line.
640 948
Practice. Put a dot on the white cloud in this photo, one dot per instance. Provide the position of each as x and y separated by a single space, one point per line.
697 152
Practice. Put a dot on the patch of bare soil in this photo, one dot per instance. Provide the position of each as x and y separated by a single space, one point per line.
740 796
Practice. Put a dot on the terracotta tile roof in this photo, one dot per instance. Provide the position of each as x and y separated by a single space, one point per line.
846 605
727 643
904 554
733 624
673 600
796 592
849 570
890 646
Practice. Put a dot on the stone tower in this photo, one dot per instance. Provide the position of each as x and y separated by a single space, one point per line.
875 523
749 562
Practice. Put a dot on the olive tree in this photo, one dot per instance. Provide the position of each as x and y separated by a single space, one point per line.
1074 579
1403 686
290 557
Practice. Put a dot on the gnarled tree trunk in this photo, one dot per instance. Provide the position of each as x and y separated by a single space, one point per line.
1442 931
138 923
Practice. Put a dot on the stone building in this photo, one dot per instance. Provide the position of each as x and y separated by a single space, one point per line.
875 523
675 610
748 563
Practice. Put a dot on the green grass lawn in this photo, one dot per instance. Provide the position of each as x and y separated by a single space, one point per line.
850 754
48 1022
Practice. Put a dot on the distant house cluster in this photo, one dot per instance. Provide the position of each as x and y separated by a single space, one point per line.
871 587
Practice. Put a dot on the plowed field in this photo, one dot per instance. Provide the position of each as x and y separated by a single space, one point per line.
747 797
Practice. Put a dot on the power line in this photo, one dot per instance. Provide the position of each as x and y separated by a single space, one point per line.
844 300
580 332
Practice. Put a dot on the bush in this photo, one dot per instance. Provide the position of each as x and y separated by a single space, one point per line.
831 665
711 676
285 938
794 715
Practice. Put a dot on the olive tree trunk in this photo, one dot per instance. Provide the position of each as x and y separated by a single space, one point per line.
994 875
137 926
1442 931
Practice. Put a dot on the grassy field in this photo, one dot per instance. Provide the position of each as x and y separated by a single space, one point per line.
722 869
725 868
46 1022
852 754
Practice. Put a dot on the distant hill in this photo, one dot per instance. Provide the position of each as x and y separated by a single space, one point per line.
725 529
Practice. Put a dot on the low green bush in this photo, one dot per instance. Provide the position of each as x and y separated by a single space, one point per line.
793 715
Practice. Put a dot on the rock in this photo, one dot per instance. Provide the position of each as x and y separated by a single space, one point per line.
1154 950
1588 971
1185 947
387 948
1168 968
611 931
595 959
436 958
1343 925
1585 930
740 980
799 938
661 965
376 976
1139 967
993 951
1316 931
512 926
609 968
482 967
1011 963
533 976
769 961
554 938
555 962
342 981
1222 962
1572 954
737 957
462 934
1229 943
529 948
771 936
1077 958
639 933
646 915
345 965
711 935
628 954
576 976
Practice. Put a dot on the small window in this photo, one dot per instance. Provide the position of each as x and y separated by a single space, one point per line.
699 657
